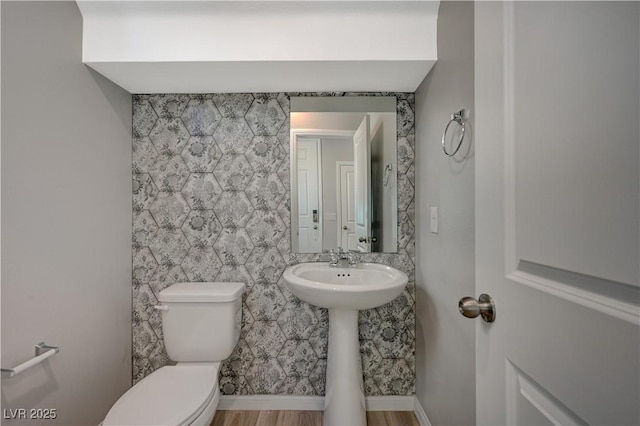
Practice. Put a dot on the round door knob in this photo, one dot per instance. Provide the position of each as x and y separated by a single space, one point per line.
345 227
362 240
315 226
484 306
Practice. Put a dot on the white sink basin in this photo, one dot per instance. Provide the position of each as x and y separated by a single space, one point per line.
365 286
344 291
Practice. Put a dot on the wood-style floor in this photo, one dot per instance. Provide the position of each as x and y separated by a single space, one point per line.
306 418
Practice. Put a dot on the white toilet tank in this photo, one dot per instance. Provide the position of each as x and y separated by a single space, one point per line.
201 321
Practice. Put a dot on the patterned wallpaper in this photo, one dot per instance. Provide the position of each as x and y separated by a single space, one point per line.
211 203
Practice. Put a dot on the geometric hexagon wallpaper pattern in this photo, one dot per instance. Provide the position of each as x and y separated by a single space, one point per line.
211 203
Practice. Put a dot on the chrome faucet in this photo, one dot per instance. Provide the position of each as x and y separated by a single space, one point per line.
341 258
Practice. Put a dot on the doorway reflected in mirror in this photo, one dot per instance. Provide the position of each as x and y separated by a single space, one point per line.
343 174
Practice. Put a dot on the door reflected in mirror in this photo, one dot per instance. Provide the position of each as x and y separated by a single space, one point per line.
343 174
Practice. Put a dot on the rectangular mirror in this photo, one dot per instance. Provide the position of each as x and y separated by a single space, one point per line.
344 174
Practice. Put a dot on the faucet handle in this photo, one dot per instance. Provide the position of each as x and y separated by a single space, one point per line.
333 257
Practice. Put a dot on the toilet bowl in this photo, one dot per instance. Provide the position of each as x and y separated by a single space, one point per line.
201 326
178 395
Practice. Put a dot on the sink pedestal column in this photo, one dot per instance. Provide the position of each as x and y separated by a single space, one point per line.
344 391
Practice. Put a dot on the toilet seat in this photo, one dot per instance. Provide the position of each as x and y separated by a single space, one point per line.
172 395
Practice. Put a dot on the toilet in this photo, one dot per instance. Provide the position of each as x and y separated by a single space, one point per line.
201 326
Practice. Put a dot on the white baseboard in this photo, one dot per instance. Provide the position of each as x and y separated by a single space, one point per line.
271 402
309 403
389 403
420 414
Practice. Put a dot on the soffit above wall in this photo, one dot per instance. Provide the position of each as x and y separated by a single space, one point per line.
251 46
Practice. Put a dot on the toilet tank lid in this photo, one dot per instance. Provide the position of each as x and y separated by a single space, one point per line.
202 292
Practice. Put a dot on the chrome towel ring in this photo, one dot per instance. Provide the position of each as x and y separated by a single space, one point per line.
457 117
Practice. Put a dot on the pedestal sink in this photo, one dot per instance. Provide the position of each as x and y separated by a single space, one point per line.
344 291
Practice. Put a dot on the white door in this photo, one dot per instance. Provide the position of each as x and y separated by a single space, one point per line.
346 205
557 212
362 160
309 223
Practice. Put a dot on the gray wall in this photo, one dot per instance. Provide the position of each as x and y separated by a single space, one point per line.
445 341
66 218
382 129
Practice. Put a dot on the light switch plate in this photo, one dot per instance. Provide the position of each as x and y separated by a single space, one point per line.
433 219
